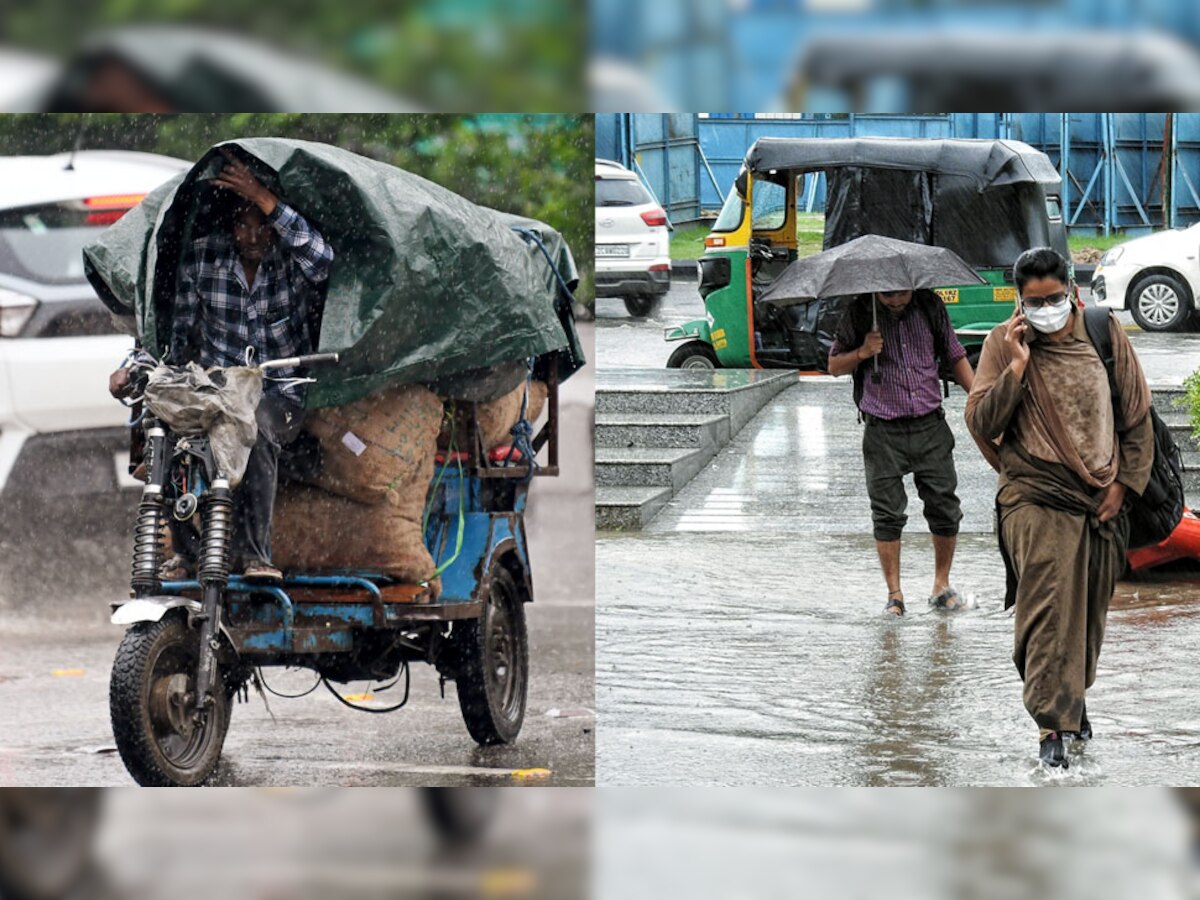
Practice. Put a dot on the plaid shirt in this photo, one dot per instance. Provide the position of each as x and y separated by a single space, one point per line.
271 316
909 383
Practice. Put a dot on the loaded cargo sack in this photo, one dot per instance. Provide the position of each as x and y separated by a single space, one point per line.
363 508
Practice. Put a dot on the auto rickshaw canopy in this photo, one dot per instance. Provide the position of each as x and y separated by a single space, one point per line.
984 199
425 285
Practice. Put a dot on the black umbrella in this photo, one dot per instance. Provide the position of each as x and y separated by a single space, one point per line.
868 264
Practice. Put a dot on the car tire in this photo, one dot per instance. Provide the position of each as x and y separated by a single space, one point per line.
1160 303
693 355
640 306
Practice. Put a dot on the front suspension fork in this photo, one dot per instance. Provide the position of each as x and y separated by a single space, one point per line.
213 570
152 514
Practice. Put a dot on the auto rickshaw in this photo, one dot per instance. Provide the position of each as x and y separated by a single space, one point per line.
985 200
416 267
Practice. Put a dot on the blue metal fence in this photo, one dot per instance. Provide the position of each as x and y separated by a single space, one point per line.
1121 171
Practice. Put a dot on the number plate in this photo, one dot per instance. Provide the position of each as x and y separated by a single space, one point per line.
621 250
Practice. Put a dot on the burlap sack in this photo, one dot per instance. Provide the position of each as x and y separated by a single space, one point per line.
315 530
380 446
497 417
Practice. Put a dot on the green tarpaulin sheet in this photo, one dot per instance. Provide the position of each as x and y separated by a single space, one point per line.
425 286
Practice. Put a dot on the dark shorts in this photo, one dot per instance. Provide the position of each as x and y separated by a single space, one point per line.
924 448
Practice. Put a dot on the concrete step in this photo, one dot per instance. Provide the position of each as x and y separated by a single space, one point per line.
661 430
628 508
1164 400
1191 487
736 393
669 467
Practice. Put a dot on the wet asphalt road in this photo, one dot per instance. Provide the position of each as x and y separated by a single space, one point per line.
740 639
63 558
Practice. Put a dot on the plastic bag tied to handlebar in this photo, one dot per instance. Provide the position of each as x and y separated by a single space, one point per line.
219 403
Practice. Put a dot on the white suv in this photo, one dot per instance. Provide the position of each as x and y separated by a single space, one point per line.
633 256
58 343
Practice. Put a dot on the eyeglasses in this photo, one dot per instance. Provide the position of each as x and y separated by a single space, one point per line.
1048 300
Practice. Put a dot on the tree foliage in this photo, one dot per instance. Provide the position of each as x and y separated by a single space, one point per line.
537 166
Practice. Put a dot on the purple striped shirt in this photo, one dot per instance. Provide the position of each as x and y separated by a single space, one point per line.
909 383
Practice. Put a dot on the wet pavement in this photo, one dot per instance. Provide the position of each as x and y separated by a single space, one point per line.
63 558
741 641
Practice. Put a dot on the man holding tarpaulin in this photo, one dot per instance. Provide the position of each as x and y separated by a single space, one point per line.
249 286
1044 416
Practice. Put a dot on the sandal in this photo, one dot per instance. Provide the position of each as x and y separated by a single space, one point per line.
948 600
895 603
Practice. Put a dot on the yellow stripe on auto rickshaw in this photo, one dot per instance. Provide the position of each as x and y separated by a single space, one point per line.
720 345
1004 295
719 334
948 295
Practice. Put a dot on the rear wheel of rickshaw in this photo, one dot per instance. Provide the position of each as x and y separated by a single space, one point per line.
693 355
46 837
493 667
152 703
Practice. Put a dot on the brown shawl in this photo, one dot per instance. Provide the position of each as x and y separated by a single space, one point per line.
1001 408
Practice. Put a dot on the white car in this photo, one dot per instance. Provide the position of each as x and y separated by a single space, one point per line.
1156 278
58 343
633 252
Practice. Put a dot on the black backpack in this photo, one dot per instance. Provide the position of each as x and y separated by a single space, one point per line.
1154 515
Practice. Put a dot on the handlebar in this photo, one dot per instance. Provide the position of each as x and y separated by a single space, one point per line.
313 359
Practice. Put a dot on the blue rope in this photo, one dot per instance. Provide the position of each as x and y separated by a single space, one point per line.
531 236
522 432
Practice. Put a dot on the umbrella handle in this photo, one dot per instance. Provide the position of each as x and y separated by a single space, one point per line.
875 327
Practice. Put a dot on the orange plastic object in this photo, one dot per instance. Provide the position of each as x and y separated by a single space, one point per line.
1183 543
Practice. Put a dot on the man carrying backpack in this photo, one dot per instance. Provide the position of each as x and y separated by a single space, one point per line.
896 352
1070 456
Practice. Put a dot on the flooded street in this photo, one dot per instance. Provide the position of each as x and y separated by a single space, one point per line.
768 661
740 638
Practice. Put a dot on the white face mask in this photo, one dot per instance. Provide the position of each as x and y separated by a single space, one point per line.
1049 319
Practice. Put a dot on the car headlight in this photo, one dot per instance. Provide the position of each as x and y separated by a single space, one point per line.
15 311
1111 256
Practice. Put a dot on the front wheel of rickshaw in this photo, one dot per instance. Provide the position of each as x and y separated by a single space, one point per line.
493 667
693 355
162 741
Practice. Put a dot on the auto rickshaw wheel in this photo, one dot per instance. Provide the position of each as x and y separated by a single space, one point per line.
493 664
1160 303
693 355
46 837
161 738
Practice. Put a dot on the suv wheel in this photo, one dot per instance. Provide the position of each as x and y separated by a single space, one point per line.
1160 303
640 306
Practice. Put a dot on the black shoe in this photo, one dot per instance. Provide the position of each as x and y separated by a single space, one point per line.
1085 727
1051 751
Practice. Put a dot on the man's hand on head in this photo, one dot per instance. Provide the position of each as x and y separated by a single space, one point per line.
237 177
